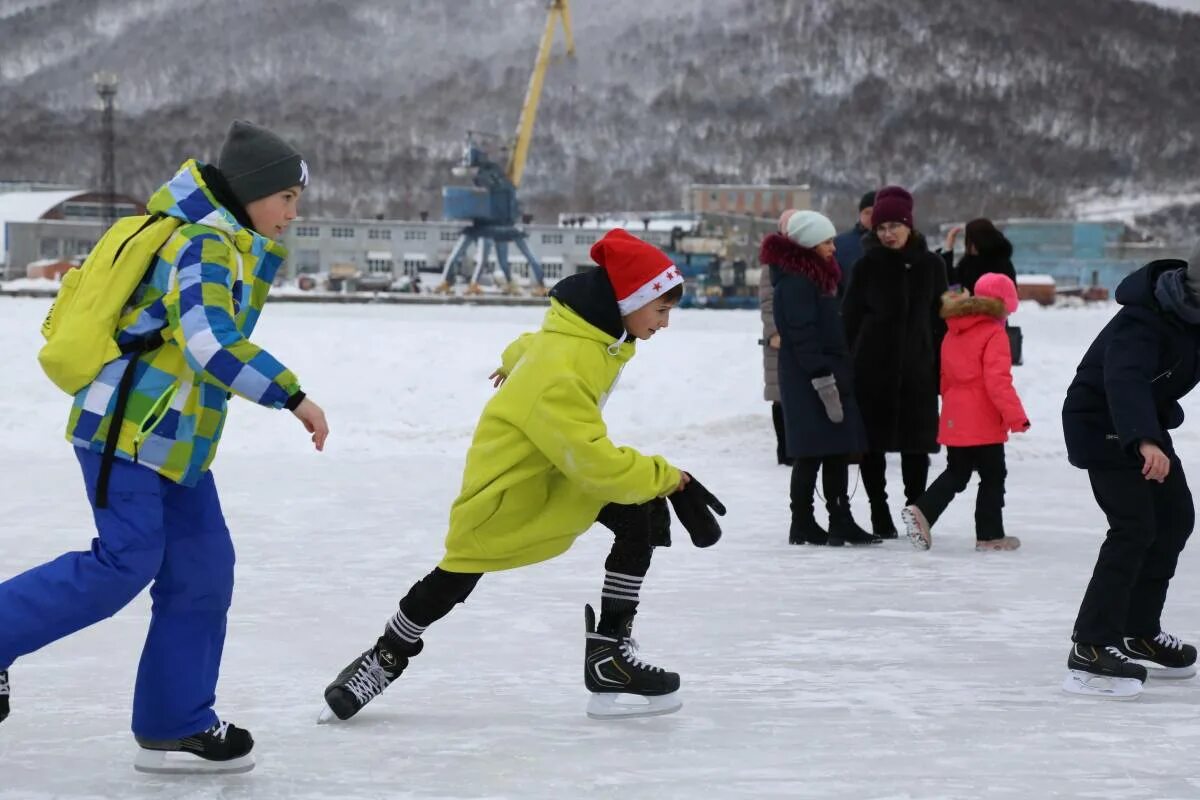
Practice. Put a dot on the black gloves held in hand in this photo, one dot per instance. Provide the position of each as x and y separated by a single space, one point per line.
692 505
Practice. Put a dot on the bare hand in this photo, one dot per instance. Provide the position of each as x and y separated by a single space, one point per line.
1156 465
684 480
313 418
774 341
952 237
497 378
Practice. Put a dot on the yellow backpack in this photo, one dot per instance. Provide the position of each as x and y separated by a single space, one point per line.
82 325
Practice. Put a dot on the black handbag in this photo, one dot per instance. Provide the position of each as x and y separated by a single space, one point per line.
1015 341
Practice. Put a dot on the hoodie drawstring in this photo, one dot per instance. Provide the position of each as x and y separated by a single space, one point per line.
615 347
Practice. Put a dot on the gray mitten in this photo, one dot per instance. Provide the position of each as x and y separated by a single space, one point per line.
826 387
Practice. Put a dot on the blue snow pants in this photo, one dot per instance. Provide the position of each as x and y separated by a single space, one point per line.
153 530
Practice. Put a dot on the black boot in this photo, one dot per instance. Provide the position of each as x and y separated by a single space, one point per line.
882 524
367 676
223 748
3 695
842 527
805 529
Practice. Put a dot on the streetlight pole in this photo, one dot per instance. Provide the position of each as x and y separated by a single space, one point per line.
106 88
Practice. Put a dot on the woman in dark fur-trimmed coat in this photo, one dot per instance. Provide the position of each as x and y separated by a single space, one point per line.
892 323
821 418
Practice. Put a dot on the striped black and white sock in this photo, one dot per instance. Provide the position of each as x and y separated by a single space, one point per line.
405 628
618 601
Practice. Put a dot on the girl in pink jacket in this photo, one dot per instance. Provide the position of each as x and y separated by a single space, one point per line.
980 408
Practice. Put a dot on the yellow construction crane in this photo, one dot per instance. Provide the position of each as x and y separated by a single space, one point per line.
559 11
490 204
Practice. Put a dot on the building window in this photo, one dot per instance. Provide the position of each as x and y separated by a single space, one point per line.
341 233
377 263
519 268
449 236
552 238
383 234
414 236
552 270
308 231
50 248
413 265
308 261
79 247
585 238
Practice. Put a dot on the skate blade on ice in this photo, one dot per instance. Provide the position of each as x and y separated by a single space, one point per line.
327 717
605 705
1089 685
1155 672
178 762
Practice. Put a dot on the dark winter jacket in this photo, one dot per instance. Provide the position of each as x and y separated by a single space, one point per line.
812 345
849 250
971 267
895 332
1128 386
766 308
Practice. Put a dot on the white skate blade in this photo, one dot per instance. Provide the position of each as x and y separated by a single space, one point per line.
327 717
1089 685
1157 672
176 762
622 706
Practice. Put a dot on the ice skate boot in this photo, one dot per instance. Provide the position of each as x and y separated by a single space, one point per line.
1103 672
366 676
622 685
4 690
1164 656
223 749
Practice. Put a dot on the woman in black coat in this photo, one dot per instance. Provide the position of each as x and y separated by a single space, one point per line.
1117 419
988 250
821 420
895 332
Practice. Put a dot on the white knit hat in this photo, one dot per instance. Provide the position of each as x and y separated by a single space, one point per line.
809 229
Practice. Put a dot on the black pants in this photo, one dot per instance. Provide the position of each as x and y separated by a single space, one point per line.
781 455
914 469
988 461
835 482
435 595
1149 524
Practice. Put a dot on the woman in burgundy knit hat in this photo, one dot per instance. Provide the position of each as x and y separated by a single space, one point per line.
895 332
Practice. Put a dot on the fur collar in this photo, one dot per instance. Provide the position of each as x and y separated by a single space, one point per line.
956 304
780 251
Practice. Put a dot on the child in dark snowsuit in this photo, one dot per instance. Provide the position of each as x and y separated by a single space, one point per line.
1119 410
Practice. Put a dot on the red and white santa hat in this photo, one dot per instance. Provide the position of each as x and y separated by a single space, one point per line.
639 272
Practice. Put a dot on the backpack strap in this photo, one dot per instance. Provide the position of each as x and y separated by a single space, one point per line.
136 348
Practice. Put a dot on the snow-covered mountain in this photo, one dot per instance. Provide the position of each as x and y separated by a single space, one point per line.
983 106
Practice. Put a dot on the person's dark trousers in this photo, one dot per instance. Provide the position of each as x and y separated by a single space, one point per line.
834 482
988 461
1149 524
781 455
914 470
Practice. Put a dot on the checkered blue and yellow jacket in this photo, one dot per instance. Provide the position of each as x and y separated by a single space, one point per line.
202 295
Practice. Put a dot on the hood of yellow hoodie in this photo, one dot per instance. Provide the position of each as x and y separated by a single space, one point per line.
585 305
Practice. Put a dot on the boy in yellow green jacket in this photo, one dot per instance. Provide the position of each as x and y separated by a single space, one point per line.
541 470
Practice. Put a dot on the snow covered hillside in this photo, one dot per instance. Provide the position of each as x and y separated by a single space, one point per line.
807 672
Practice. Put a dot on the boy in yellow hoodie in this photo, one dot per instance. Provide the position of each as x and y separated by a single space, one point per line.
541 470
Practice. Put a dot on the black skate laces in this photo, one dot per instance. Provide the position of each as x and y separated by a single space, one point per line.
629 649
370 679
1163 638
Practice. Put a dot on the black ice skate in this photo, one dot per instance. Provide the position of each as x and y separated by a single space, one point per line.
366 676
622 685
1103 672
3 694
222 749
1164 656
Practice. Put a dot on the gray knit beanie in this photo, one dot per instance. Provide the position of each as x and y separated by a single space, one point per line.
1193 271
257 163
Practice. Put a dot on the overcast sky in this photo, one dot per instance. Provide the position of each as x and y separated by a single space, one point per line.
1186 5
